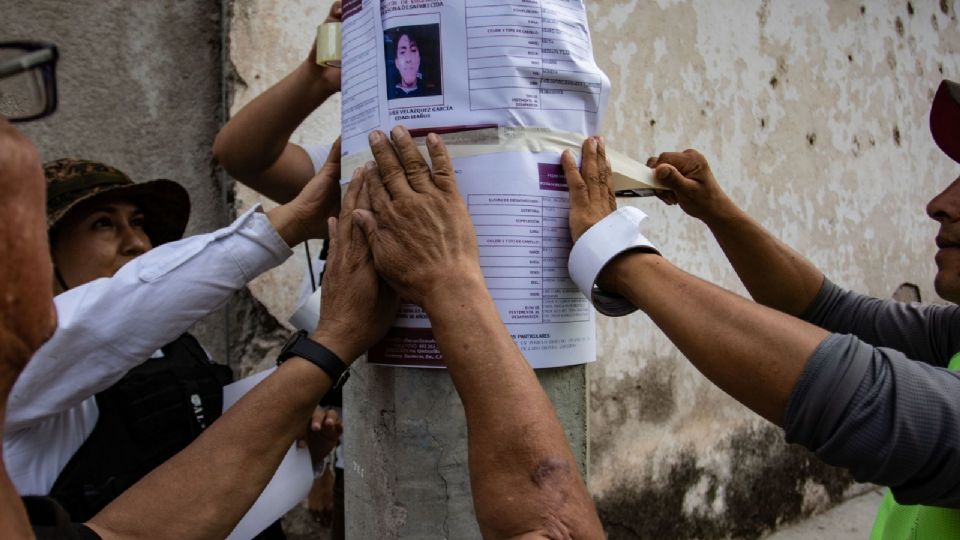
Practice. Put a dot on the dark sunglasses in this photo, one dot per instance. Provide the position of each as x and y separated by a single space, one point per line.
28 82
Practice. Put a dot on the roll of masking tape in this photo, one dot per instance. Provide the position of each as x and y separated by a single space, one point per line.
329 52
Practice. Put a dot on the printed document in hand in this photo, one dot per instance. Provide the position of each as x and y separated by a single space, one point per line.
498 79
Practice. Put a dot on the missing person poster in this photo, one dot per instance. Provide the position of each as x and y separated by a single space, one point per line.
480 66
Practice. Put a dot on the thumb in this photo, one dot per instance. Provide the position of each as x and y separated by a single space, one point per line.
670 177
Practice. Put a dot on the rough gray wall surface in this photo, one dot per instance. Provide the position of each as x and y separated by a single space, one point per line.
139 87
814 118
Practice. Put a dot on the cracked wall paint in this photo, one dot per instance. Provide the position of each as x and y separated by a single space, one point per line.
814 119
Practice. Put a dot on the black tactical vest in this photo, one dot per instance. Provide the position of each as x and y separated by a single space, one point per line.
152 413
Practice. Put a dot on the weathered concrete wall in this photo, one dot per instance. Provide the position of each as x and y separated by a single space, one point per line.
139 86
814 118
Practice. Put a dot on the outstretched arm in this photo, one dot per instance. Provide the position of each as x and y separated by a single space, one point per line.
779 277
254 145
168 288
856 406
524 478
203 491
775 274
752 352
189 497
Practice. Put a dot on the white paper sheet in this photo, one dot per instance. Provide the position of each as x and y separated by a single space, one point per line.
485 64
289 485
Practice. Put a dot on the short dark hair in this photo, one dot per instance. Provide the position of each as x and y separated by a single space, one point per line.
396 33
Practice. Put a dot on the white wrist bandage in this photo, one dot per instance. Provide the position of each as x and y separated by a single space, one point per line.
611 236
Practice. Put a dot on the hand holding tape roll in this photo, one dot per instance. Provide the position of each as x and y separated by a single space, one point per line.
329 52
631 175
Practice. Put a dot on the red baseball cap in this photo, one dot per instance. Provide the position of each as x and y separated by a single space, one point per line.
945 119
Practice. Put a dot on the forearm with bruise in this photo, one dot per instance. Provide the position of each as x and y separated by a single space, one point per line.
552 503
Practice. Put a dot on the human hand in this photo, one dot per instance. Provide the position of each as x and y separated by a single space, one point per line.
356 306
591 196
321 437
328 76
306 215
417 226
320 498
692 185
322 434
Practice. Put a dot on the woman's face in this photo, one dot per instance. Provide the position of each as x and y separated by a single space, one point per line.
94 240
408 61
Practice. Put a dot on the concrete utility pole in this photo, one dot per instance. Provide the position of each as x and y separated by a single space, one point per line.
406 449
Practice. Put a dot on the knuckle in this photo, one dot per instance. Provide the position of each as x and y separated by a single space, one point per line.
416 168
390 170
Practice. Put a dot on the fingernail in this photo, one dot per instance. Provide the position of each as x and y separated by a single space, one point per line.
592 145
371 165
397 132
662 173
374 136
432 138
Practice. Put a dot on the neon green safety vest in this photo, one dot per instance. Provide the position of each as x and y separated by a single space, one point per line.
916 522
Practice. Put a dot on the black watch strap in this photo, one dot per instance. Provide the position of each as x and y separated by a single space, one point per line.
304 347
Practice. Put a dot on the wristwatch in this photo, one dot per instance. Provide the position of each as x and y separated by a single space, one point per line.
304 347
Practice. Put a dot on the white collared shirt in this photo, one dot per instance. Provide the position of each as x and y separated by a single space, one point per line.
111 325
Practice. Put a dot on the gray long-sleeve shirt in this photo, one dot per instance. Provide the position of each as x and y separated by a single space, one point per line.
876 397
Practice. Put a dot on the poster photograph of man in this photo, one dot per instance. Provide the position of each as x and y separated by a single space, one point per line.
413 61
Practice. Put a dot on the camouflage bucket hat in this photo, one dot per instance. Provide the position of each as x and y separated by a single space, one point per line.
165 203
